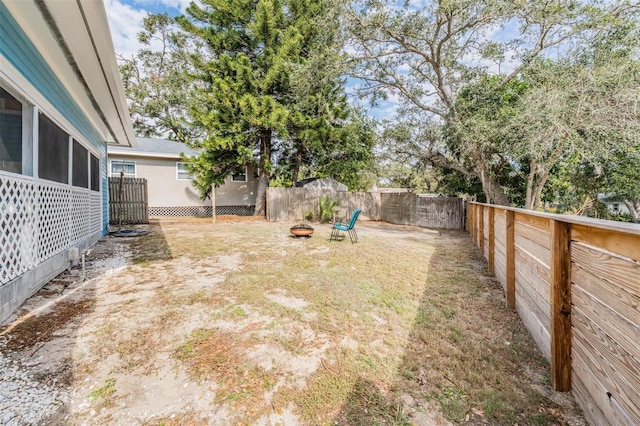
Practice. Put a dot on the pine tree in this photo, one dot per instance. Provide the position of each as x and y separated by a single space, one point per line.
251 99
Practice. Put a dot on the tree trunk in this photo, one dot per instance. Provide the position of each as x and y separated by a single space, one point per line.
541 181
296 166
265 166
634 209
494 192
528 201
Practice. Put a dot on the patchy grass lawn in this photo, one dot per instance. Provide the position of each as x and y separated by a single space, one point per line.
237 323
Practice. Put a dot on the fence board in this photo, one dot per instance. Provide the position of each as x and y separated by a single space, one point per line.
616 326
533 249
616 357
535 287
598 407
537 330
132 204
614 384
587 275
291 204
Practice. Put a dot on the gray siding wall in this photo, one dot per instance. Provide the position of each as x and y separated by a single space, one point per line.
238 193
164 188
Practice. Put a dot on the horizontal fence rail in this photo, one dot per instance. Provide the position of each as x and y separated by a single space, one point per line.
291 204
575 283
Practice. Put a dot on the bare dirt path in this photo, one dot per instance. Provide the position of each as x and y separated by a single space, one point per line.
237 323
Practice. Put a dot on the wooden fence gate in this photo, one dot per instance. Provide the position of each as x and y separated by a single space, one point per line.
128 201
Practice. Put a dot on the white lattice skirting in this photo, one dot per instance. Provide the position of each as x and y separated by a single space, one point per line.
181 211
40 220
200 211
235 210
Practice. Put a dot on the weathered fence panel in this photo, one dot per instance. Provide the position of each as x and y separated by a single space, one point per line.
128 202
291 204
576 287
427 212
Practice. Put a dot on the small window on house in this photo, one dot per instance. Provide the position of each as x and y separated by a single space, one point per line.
53 151
181 172
239 174
126 166
615 207
80 175
10 133
95 173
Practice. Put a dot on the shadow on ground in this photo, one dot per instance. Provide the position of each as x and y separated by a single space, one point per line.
41 337
448 372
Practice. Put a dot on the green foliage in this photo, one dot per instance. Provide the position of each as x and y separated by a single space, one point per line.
156 81
105 391
328 209
309 216
269 93
509 129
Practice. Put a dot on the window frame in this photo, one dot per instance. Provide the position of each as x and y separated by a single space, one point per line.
33 105
135 168
95 177
246 175
178 171
65 138
27 111
84 170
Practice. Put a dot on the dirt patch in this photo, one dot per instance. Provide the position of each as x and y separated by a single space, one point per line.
236 323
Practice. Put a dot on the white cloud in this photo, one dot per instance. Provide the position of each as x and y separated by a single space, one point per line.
125 23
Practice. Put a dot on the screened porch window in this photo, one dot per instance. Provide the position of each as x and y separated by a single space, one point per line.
126 166
53 151
10 133
80 173
95 173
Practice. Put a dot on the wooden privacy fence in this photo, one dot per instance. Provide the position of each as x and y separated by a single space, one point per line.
292 204
130 201
427 212
575 283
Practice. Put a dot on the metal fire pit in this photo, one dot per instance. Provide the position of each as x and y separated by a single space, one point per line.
301 230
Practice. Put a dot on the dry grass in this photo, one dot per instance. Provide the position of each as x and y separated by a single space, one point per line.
42 328
426 322
379 332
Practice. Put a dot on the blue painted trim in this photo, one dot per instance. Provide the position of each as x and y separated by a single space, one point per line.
23 55
105 190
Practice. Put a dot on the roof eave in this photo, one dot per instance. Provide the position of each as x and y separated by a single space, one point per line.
75 40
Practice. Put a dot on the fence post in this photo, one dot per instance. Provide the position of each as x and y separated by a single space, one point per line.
213 203
145 207
510 252
560 306
481 229
492 240
470 219
475 225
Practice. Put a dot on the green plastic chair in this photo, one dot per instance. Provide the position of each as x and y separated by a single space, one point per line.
338 228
